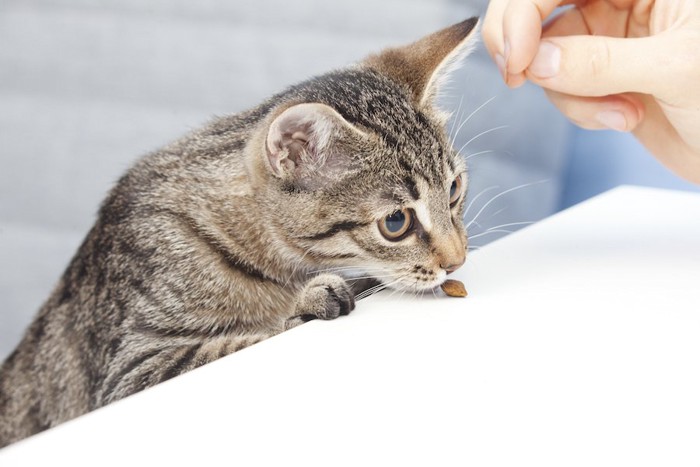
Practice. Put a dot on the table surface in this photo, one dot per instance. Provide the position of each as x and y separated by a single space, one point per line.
579 344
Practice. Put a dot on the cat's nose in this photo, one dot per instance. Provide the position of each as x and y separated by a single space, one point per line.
452 266
451 251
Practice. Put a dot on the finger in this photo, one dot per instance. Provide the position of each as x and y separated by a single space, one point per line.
522 30
492 29
492 33
600 66
515 80
622 112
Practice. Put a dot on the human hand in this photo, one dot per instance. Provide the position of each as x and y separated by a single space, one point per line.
628 65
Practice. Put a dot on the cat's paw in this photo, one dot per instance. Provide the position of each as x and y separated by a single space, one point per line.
326 296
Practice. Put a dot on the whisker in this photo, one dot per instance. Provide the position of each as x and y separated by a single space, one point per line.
493 187
374 276
367 269
402 289
454 121
482 134
369 292
396 278
498 212
296 267
470 116
375 289
503 193
488 151
490 232
510 224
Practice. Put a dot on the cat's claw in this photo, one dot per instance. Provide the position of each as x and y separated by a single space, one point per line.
326 296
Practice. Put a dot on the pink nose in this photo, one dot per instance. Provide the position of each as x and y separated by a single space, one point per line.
452 267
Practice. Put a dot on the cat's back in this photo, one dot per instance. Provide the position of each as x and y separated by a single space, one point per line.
55 372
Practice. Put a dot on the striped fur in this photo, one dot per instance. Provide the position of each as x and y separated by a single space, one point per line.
206 247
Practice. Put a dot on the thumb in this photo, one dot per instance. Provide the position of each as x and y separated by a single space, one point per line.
599 66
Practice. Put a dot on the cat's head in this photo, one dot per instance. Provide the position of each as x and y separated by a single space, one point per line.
357 170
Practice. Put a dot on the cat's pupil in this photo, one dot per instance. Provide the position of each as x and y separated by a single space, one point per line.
453 189
395 221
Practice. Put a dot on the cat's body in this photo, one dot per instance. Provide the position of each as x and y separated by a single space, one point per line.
224 238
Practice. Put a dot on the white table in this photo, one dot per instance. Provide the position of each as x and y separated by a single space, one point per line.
578 345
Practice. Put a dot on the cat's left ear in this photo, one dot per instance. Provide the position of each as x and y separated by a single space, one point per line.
424 65
304 145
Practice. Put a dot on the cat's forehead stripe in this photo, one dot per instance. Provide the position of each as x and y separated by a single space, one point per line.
412 188
344 226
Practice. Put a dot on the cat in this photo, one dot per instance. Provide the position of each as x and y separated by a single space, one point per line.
248 227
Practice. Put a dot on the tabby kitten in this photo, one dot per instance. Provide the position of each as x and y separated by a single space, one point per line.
227 236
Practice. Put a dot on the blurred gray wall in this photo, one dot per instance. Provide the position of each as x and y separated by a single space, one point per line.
86 87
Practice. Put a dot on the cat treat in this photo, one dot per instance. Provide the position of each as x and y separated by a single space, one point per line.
453 288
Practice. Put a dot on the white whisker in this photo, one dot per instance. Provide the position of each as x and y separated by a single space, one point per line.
296 268
469 206
454 120
470 116
488 151
491 232
498 212
510 190
373 276
370 291
510 224
339 269
377 288
480 135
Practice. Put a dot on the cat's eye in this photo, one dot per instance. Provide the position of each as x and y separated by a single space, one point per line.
455 190
396 225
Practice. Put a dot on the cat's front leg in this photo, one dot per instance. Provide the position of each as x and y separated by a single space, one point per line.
326 296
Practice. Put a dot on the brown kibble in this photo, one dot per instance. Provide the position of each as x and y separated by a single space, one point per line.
453 288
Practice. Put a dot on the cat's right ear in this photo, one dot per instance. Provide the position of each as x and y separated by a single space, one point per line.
302 144
425 65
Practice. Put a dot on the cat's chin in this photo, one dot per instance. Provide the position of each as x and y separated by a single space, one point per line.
422 286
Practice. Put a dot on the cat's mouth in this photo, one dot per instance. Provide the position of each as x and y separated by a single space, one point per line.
420 280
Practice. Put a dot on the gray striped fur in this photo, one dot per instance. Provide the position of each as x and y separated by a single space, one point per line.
206 246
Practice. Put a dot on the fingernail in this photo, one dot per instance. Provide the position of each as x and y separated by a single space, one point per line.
612 119
547 61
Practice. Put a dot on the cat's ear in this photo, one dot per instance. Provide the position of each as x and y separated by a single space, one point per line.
303 144
424 65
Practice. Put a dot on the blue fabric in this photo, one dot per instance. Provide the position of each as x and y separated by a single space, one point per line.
601 160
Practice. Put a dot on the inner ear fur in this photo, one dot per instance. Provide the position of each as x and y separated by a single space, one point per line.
301 143
423 65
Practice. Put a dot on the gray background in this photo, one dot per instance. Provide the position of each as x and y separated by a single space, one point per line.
86 87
